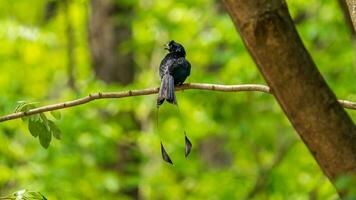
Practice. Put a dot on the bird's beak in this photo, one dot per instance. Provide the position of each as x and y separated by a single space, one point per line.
166 47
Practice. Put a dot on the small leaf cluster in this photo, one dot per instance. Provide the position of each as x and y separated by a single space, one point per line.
25 195
39 125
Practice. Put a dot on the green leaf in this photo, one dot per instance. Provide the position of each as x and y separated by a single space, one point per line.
24 119
42 127
19 106
45 120
45 137
24 107
56 114
25 195
38 128
27 107
20 193
36 195
54 130
35 127
35 117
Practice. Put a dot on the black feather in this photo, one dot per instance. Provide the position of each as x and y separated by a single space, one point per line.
188 145
165 156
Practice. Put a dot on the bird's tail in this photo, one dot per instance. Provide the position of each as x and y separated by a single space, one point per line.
166 91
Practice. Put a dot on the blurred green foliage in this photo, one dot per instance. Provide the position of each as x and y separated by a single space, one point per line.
243 145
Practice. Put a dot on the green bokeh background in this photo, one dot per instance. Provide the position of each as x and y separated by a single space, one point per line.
237 137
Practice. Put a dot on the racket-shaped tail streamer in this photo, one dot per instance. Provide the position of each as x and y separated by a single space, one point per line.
188 145
164 153
173 70
165 156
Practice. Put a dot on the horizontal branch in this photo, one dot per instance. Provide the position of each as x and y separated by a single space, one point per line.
131 93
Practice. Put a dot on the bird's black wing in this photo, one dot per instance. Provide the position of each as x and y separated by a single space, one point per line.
181 63
180 70
188 66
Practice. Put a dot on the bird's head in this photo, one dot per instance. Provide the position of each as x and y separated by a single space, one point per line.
174 47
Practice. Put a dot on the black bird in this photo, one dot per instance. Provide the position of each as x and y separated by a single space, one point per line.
174 69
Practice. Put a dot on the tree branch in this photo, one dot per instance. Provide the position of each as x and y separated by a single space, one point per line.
148 91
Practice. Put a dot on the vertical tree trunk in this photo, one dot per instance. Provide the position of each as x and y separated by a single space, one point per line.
270 36
109 29
70 48
50 11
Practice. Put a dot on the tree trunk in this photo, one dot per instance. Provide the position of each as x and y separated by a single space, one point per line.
270 36
352 10
71 65
109 30
348 17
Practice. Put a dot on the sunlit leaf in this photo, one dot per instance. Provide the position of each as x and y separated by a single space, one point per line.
19 106
25 106
25 195
20 194
36 195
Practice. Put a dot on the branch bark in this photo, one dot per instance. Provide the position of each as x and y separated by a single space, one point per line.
148 91
270 36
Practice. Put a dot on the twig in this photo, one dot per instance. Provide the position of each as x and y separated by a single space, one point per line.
131 93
